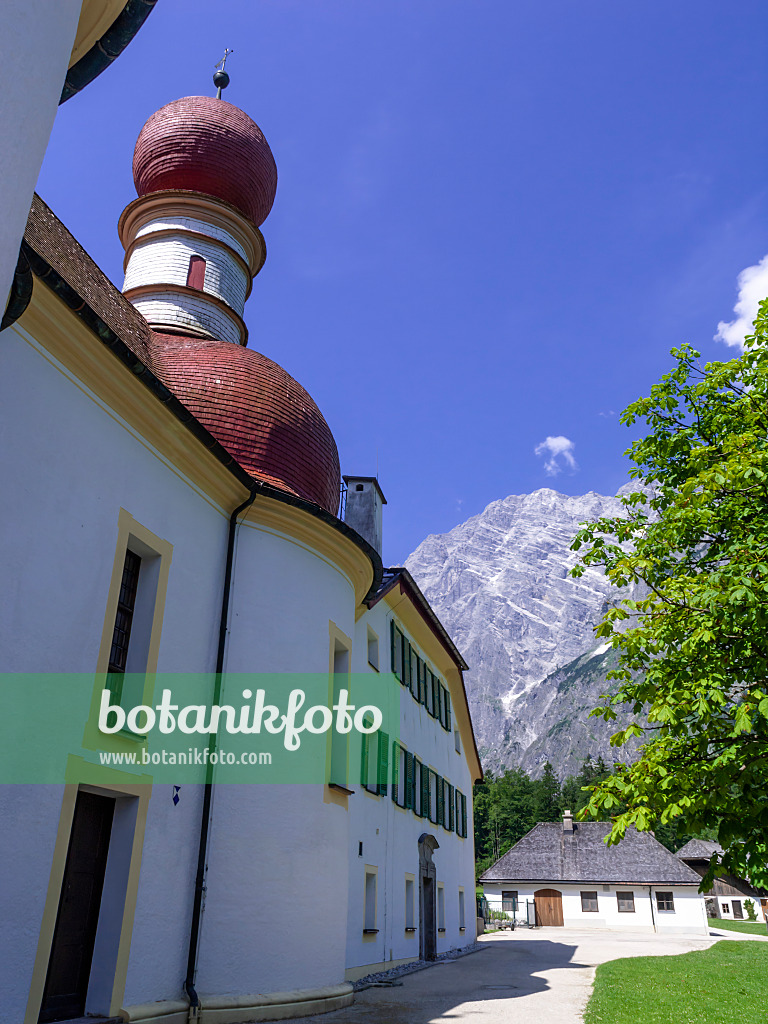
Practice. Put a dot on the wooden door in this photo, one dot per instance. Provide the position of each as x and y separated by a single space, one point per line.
549 907
69 967
428 919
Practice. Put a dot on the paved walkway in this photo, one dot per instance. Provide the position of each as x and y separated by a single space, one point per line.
523 977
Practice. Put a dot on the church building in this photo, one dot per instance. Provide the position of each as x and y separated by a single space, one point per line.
173 504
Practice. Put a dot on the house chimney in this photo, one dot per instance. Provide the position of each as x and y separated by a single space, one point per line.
363 510
567 821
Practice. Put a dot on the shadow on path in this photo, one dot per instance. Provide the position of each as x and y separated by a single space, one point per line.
480 987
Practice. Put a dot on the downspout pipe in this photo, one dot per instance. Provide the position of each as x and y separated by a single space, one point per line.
205 817
650 900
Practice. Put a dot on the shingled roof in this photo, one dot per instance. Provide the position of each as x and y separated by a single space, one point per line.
698 849
548 853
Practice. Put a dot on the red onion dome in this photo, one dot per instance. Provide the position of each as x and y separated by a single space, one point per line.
257 411
207 145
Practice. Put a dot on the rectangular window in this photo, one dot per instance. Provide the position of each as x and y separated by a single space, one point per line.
589 903
399 774
462 911
339 741
446 710
457 740
434 779
625 901
121 634
369 918
397 650
407 662
410 901
416 666
196 273
417 787
449 821
461 815
429 695
426 804
440 907
373 649
665 901
724 908
737 910
509 900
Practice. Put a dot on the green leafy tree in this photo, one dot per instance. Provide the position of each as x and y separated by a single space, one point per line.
693 642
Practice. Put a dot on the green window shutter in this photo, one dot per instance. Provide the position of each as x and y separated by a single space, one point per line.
432 683
457 804
395 770
417 787
440 800
448 722
408 780
406 677
364 748
450 806
422 683
392 646
383 762
425 807
416 676
463 816
439 702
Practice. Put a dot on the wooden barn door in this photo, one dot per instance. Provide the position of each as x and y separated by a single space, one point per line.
549 907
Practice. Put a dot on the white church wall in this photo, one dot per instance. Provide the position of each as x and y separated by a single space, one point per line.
277 881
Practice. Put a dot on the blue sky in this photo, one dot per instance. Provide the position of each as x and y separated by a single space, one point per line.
493 220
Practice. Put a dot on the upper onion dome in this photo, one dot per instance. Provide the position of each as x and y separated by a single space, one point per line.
203 144
257 411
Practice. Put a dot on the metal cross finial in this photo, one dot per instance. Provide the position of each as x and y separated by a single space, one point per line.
221 78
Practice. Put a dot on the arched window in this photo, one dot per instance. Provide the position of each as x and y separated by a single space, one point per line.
196 273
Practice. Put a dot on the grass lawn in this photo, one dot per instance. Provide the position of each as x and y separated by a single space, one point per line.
750 927
720 985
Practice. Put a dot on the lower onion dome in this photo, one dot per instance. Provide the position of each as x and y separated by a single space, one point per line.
257 411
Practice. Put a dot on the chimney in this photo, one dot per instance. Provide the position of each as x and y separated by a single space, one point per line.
567 822
363 511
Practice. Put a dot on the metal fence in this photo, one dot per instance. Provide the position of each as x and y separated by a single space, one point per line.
503 914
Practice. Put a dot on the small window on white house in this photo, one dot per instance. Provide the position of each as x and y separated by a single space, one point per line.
410 899
665 901
369 919
509 900
724 908
589 903
462 922
626 901
440 907
373 649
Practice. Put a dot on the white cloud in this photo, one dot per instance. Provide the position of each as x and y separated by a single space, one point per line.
753 288
557 448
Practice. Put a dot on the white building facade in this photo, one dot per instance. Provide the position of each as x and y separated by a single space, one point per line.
565 875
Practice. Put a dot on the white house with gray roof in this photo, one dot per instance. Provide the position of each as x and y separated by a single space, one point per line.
564 875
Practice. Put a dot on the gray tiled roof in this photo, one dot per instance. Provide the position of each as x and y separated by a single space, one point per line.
547 853
698 849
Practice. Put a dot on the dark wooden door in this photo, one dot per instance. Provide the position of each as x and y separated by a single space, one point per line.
549 907
69 967
428 922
